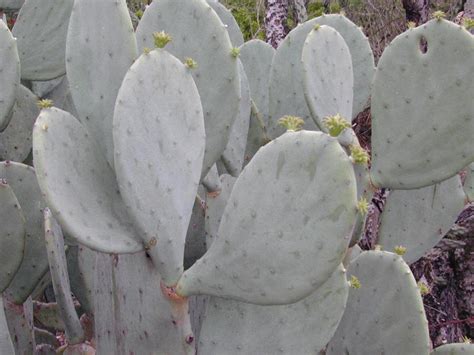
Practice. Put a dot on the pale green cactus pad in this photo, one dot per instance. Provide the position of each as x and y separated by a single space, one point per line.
9 74
12 235
286 89
327 75
418 219
385 315
215 205
41 32
81 269
196 235
79 186
469 182
159 143
97 58
42 88
363 65
454 349
60 278
235 34
285 250
62 98
132 315
23 181
6 344
198 33
234 154
15 140
257 56
422 108
286 95
11 4
305 327
20 325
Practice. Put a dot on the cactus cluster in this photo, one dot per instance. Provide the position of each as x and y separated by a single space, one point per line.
212 192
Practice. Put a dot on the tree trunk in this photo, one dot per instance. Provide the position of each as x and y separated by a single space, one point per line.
300 13
417 11
275 21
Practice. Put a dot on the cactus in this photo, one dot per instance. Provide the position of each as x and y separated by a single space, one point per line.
125 179
15 140
34 265
9 75
454 349
235 34
256 57
100 217
41 33
327 73
286 91
199 34
229 327
234 154
430 211
156 173
245 234
469 183
12 237
97 58
406 112
385 309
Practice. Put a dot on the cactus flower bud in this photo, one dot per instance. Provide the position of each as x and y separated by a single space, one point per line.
45 103
336 124
161 39
291 123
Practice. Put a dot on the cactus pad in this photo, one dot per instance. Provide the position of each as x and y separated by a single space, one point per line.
12 235
454 349
23 181
79 185
15 140
385 315
305 327
422 108
9 74
418 219
41 32
198 33
285 249
60 278
327 75
98 55
159 143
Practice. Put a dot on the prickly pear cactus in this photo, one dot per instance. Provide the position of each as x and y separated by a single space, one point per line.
310 239
385 315
159 157
198 33
9 75
12 235
99 220
41 32
422 107
304 327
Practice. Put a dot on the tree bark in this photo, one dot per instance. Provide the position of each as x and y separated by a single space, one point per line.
417 11
275 21
299 9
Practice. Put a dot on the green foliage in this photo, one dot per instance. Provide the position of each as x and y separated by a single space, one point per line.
249 16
